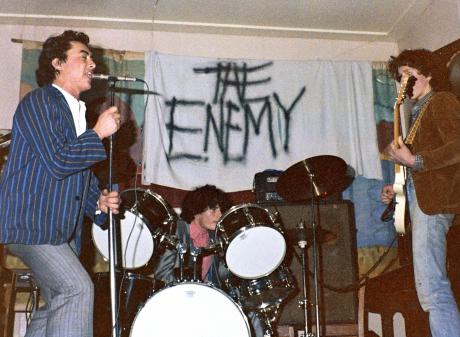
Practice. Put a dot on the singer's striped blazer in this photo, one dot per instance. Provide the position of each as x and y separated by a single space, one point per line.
47 186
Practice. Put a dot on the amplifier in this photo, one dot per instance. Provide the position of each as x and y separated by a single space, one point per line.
24 280
264 187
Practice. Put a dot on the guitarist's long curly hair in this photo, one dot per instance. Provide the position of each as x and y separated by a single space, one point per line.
426 62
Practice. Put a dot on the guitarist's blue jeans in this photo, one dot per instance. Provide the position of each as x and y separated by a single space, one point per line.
429 246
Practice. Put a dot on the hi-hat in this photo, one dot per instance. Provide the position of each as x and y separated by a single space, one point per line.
294 235
315 177
5 138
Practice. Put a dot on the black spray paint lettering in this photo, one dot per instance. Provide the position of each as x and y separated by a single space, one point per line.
223 113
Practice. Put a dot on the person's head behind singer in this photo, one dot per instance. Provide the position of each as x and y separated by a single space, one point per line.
205 205
66 60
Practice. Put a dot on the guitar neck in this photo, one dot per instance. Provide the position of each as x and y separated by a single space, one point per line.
396 123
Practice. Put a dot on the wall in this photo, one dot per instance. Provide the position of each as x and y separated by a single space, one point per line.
206 45
441 25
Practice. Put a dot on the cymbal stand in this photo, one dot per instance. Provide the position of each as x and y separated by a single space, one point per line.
304 301
315 248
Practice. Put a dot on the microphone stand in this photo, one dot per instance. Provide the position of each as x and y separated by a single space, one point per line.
112 235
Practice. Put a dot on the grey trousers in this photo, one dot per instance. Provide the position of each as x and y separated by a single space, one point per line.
66 288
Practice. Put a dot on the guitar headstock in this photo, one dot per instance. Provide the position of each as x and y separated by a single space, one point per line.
402 87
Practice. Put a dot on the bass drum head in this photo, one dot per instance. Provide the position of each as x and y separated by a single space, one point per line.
254 244
192 310
143 214
255 252
137 243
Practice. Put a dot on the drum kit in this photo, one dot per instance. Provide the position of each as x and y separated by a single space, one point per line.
251 242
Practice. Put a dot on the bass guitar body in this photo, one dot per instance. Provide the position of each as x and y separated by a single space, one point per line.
399 187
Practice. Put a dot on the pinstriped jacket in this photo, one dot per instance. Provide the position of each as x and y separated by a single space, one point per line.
47 187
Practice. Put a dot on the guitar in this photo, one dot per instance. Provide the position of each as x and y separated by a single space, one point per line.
397 207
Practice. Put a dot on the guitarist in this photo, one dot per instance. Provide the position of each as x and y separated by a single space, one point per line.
433 181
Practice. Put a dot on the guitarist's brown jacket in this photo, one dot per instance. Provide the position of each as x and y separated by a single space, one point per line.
437 186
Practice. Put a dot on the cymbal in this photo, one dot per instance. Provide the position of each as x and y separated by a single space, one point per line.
315 177
294 235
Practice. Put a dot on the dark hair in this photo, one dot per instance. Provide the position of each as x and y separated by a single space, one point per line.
202 198
56 47
426 62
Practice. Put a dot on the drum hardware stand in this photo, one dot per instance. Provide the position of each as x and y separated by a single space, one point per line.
315 253
268 315
304 302
322 176
194 253
181 250
162 237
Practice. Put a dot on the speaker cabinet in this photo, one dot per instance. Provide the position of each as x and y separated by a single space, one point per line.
338 264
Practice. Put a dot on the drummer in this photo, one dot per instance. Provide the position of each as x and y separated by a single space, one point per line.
201 210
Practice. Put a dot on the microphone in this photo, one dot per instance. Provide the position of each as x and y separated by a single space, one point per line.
115 78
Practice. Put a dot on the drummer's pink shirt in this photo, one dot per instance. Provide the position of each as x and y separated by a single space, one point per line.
200 239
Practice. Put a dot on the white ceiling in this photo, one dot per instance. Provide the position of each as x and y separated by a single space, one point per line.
376 20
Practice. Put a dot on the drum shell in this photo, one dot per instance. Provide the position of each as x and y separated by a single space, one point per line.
241 217
262 292
132 292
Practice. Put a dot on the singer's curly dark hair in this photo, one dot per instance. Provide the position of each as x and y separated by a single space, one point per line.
202 198
56 47
426 62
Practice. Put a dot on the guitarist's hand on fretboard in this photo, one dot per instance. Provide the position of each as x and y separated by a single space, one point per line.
401 154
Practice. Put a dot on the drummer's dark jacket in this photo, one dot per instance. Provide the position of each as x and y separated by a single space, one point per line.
168 264
437 140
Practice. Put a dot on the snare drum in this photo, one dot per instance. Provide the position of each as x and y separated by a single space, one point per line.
254 243
143 214
265 291
190 309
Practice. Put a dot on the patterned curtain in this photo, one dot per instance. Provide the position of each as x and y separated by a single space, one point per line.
374 237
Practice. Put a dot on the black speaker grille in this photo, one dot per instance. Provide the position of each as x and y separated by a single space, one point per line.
338 263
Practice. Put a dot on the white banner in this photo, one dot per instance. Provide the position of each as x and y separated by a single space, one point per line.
221 121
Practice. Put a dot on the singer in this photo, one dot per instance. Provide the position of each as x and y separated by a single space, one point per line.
47 186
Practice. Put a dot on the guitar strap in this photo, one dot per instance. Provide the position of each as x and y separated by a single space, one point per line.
413 129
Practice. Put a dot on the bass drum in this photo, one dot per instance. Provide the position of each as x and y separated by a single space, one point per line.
190 309
144 215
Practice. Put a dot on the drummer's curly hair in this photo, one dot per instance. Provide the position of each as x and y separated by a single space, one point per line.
202 198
